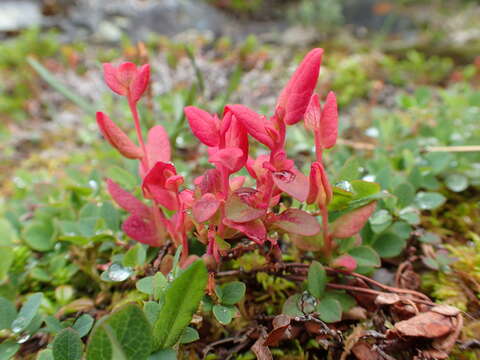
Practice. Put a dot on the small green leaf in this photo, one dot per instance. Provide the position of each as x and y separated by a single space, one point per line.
27 313
232 292
8 349
224 314
165 354
290 306
365 256
181 301
388 245
317 279
67 345
151 310
429 200
343 298
8 313
39 236
46 354
329 310
456 182
135 256
380 220
189 335
124 335
83 324
410 215
405 194
7 233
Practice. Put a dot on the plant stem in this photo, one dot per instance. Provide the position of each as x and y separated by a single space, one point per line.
136 119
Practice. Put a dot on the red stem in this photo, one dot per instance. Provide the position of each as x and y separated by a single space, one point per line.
136 119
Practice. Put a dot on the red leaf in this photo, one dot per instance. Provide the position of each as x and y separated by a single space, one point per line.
307 243
254 230
293 101
298 222
236 137
329 122
161 183
127 201
228 157
117 138
141 231
320 191
351 223
293 182
203 125
313 114
346 261
237 210
127 79
205 207
158 145
253 122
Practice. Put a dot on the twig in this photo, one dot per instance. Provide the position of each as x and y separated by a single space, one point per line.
464 148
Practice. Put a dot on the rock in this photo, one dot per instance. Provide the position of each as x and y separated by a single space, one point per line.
16 15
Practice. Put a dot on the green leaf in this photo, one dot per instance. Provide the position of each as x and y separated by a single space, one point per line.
54 326
151 310
329 310
67 345
27 313
380 220
290 306
365 256
6 260
83 324
135 256
39 236
389 245
343 298
429 200
224 314
351 170
46 354
8 313
232 292
111 215
165 354
8 349
7 233
123 335
153 285
405 194
410 215
189 335
317 279
456 182
181 301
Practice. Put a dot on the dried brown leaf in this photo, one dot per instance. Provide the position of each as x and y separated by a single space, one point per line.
428 325
281 325
446 310
387 299
261 350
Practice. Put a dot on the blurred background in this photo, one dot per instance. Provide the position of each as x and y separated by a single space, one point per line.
406 74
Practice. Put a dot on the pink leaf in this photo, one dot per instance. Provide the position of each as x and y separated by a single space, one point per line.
345 261
320 191
293 101
236 137
329 122
228 157
293 182
158 145
203 125
351 223
253 122
127 79
313 114
117 138
141 231
307 243
127 201
254 230
298 222
161 183
237 210
205 207
237 182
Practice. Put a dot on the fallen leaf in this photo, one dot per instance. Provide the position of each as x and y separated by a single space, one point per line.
387 299
446 310
281 324
428 325
363 351
261 350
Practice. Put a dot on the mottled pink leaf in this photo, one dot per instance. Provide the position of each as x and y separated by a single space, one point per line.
293 101
351 223
293 182
158 145
228 158
298 222
255 230
203 125
127 80
345 261
117 138
141 231
307 243
237 210
329 122
127 201
161 183
205 207
313 114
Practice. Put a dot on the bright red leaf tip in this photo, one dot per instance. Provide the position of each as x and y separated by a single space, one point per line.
161 183
295 96
158 145
117 138
127 79
127 201
329 121
204 126
313 114
346 261
140 230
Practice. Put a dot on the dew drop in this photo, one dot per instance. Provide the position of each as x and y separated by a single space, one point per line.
345 185
117 272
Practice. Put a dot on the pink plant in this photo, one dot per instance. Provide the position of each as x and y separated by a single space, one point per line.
219 208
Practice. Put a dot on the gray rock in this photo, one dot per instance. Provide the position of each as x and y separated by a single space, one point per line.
16 15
